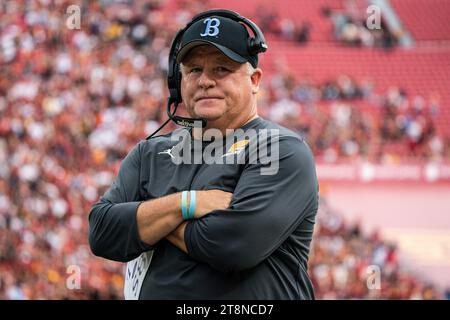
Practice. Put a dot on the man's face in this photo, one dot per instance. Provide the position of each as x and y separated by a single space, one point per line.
214 86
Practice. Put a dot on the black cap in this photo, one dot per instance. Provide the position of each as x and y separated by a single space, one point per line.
227 35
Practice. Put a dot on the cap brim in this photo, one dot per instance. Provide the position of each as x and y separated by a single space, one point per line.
190 45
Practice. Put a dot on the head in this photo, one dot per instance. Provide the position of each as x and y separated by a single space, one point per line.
219 68
217 88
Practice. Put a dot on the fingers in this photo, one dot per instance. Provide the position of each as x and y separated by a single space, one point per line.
210 200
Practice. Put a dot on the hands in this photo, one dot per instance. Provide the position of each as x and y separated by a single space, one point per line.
209 200
206 201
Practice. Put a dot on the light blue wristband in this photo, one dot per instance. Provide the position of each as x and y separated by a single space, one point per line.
184 208
192 205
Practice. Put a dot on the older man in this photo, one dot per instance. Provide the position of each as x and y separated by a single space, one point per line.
213 230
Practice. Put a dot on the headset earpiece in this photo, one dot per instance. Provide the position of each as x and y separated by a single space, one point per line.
173 72
257 43
173 82
253 47
178 82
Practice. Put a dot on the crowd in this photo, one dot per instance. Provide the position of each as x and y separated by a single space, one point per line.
348 264
344 119
283 27
74 102
354 25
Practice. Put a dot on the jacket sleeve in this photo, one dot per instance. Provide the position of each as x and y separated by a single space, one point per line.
113 232
264 211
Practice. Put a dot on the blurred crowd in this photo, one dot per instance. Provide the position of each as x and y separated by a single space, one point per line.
350 28
73 102
344 119
352 25
347 264
283 27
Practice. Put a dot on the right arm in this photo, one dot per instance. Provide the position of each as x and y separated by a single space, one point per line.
157 218
117 219
121 227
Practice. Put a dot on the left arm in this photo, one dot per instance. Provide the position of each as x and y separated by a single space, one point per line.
177 237
265 210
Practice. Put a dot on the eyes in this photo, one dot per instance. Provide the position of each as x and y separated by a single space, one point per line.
194 70
218 71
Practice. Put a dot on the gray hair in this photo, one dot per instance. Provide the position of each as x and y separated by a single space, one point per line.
250 68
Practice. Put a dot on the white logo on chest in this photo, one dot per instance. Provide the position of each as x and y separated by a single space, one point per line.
167 151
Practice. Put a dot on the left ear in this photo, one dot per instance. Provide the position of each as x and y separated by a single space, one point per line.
256 79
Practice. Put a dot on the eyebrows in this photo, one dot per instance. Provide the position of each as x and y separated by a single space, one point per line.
219 60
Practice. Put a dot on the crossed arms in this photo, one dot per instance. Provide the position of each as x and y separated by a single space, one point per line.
229 235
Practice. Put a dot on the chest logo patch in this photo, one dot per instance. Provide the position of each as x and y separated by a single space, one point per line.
167 151
237 147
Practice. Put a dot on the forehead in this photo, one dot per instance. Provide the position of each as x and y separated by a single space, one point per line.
200 52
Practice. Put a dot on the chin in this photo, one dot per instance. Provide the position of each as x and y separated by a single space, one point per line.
209 110
209 113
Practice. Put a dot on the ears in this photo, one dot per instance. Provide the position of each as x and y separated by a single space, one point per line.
255 77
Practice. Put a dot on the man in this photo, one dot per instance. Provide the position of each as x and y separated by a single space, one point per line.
212 230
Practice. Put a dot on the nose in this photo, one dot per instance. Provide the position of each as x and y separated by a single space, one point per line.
205 80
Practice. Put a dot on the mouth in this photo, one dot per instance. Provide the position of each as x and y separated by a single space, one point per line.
207 98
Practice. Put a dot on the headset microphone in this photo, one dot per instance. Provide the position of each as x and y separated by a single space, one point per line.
183 121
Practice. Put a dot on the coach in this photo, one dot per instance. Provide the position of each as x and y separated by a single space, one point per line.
211 230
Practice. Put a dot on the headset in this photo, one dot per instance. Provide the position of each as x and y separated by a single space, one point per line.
255 45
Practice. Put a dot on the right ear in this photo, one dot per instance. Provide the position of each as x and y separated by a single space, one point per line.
256 80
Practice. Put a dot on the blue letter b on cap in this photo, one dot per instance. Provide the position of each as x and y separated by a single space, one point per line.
212 27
